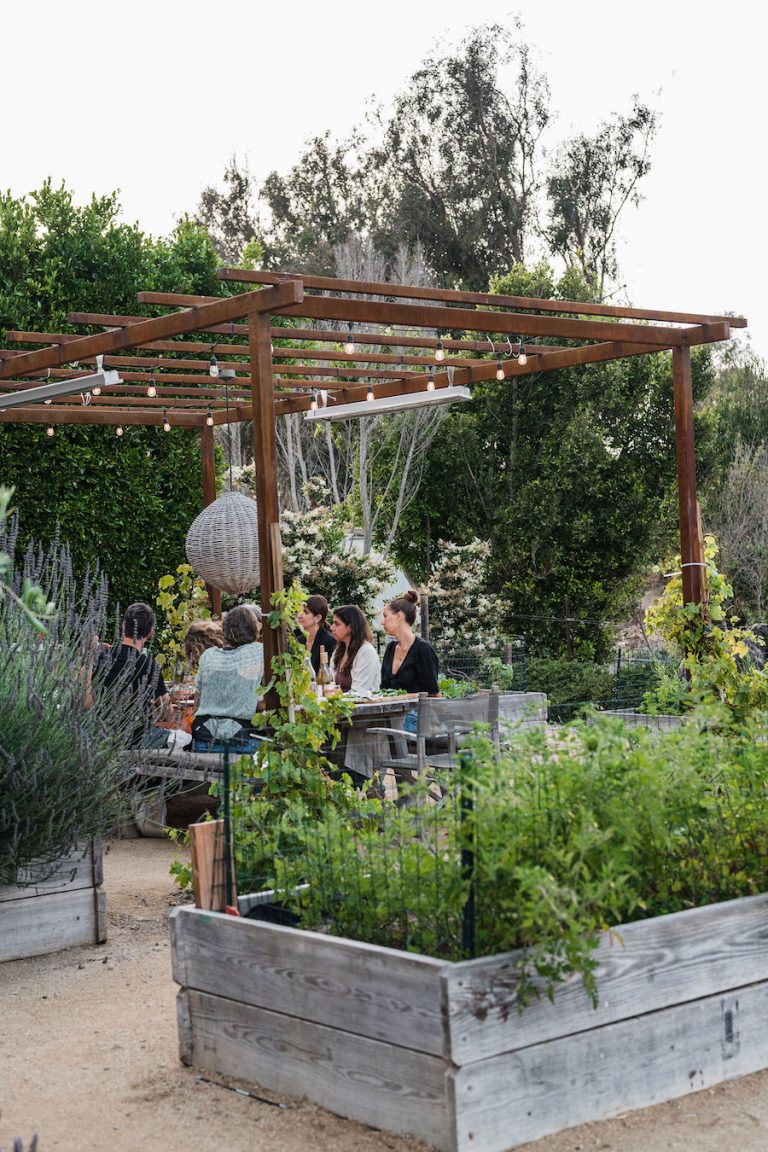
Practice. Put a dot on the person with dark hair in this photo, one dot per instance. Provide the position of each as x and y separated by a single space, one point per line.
312 621
409 663
131 668
355 662
228 686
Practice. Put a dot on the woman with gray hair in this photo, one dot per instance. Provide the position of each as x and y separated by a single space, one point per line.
229 686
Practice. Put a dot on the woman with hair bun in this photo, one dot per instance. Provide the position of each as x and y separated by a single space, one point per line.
410 663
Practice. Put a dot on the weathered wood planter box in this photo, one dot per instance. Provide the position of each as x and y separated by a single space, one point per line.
413 1044
68 908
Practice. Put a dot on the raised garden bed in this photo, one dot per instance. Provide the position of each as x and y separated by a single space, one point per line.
439 1050
67 908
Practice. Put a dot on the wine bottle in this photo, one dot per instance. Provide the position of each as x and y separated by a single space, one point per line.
325 682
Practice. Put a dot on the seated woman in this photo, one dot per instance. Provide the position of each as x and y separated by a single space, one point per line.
201 635
355 662
228 686
311 619
409 663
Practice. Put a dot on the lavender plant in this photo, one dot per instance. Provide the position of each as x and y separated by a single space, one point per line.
60 764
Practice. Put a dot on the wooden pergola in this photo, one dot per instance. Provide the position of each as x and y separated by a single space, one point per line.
273 370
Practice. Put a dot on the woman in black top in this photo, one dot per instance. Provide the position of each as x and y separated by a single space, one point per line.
409 663
312 619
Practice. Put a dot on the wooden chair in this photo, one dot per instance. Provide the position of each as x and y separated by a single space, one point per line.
442 726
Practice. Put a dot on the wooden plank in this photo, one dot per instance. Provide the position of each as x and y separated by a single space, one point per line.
212 312
184 1027
519 1096
76 870
646 966
486 299
377 1084
265 476
206 841
450 319
376 992
44 924
101 930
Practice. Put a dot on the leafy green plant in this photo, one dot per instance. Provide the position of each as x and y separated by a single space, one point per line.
570 832
181 599
715 657
456 689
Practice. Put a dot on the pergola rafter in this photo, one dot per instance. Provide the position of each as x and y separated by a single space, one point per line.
272 370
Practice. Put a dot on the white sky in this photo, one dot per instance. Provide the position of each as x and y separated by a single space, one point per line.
153 98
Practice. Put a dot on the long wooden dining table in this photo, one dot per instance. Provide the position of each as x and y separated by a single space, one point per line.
359 747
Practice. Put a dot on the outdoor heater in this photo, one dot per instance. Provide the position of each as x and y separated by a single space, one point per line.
386 404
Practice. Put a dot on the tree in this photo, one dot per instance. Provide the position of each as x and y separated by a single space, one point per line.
126 502
593 179
569 476
229 216
458 165
741 526
459 154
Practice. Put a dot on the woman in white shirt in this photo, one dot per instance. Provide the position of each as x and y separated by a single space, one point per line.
355 661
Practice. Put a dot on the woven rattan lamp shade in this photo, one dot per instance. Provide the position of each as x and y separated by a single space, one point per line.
223 544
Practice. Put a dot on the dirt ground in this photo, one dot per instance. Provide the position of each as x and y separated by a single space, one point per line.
89 1061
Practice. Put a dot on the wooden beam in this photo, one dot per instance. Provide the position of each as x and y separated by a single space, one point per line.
448 319
315 335
38 414
265 472
208 468
486 299
174 324
691 543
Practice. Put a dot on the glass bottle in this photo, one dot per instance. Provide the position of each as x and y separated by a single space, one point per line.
325 682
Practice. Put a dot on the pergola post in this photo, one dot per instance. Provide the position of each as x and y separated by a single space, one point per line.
265 470
691 544
208 462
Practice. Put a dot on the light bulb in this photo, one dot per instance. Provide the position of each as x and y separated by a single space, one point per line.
166 422
349 343
96 391
213 368
209 417
439 350
50 430
521 356
431 381
499 369
369 394
151 389
313 401
119 430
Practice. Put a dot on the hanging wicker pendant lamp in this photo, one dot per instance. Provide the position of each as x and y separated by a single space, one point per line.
223 544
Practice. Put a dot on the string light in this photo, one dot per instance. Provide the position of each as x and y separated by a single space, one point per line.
439 350
431 381
313 401
521 356
213 367
369 395
166 421
349 343
119 430
151 389
96 391
50 430
209 417
499 369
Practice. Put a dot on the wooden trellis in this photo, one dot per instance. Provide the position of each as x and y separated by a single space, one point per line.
272 370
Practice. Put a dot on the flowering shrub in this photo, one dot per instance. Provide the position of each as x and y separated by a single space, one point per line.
317 555
462 614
